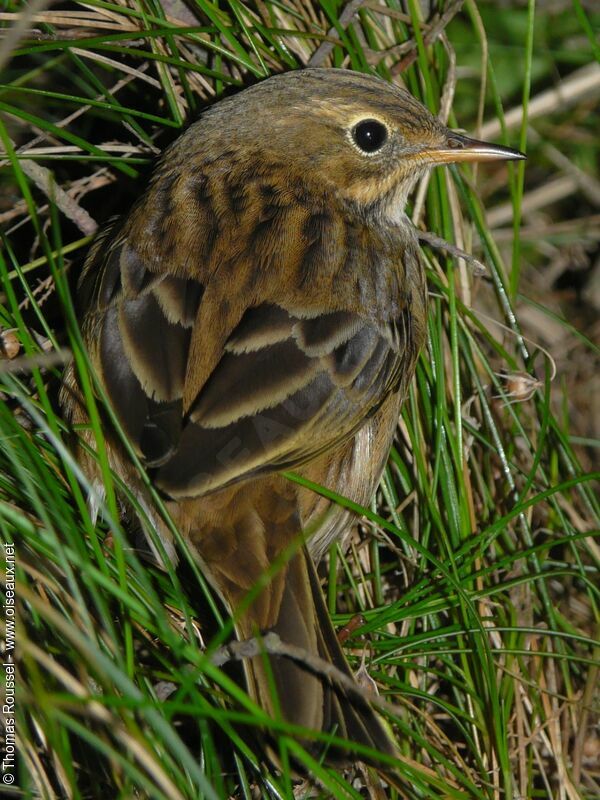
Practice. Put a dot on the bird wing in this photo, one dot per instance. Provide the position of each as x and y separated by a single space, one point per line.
285 389
209 397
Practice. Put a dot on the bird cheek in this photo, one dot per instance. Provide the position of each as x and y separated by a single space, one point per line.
366 181
364 192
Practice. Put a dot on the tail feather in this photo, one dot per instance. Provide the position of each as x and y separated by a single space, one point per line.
304 696
352 716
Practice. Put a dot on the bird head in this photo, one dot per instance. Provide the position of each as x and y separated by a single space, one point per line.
365 140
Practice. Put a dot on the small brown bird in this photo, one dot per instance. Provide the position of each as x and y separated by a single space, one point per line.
261 309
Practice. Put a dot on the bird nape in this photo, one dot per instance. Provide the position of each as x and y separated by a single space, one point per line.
261 309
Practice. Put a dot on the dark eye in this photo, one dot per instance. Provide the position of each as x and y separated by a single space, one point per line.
369 135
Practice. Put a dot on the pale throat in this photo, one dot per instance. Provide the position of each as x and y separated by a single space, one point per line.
390 194
394 205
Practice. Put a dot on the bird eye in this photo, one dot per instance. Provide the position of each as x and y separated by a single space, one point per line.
369 135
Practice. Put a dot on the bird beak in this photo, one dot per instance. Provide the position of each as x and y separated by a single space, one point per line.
460 148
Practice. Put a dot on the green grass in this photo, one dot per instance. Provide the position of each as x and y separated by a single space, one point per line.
476 566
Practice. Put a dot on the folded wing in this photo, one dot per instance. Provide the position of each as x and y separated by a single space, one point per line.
286 386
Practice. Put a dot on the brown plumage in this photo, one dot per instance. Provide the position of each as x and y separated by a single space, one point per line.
261 308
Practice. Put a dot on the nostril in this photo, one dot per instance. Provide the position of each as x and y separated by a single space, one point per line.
455 143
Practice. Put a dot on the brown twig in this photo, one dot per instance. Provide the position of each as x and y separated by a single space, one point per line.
437 26
583 83
44 180
272 644
19 28
438 243
325 48
28 363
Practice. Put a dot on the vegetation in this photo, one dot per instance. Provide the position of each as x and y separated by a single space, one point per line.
476 567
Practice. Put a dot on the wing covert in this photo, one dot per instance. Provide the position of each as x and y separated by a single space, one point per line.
138 328
285 389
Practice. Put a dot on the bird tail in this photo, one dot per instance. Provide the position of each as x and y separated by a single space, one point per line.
299 687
